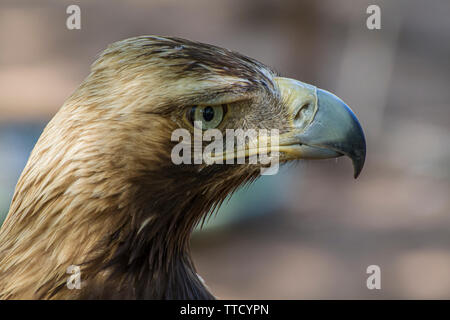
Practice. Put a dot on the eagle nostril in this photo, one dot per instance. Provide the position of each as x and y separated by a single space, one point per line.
302 116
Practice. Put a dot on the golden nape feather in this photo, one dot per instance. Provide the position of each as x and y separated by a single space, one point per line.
101 191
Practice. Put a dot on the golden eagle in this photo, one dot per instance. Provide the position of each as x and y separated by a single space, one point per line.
100 190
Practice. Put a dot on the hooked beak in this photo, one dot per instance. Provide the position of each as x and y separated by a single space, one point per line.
323 126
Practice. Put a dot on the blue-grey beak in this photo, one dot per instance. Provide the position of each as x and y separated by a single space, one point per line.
324 126
336 128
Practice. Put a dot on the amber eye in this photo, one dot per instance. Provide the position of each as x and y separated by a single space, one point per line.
207 117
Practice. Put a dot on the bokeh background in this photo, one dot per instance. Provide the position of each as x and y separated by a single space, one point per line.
310 231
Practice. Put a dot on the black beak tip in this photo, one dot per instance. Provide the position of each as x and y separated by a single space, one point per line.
358 165
358 156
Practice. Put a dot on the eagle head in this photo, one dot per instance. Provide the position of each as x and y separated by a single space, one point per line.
115 184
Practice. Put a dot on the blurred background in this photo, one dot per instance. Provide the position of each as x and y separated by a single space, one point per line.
312 230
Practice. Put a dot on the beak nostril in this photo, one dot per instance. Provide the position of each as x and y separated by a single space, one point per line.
303 114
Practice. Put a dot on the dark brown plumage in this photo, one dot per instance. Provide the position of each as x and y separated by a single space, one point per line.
100 190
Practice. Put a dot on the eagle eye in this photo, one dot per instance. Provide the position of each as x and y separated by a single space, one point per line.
209 117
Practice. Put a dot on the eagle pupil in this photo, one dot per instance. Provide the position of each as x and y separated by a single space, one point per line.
208 113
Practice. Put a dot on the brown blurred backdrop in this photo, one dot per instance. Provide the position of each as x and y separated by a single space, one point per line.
317 241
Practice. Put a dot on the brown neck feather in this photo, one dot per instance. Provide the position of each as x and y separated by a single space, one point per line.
152 259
